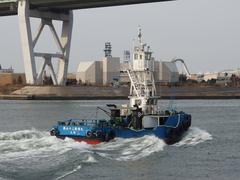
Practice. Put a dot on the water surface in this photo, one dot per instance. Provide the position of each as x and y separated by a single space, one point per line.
210 149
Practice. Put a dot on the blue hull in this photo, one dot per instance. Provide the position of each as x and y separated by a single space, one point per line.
169 135
95 132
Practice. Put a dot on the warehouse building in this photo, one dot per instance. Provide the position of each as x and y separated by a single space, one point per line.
109 70
105 71
166 72
89 72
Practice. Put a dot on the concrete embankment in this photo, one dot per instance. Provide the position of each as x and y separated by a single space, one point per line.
93 92
71 92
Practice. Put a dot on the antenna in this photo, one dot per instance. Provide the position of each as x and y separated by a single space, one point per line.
140 35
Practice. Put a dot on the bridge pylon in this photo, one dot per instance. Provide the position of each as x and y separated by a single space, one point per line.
28 43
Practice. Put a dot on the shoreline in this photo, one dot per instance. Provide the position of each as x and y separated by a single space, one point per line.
37 97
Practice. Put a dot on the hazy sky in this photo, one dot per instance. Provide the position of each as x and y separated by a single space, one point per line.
205 33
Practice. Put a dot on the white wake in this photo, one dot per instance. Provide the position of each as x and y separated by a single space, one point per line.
130 149
35 148
31 143
194 136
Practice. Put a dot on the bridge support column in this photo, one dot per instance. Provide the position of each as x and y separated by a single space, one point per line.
28 42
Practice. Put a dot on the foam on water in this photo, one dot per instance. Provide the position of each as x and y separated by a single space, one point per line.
130 149
90 159
194 136
33 149
28 150
69 173
137 148
30 143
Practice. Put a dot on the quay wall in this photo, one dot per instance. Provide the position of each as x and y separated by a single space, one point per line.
93 92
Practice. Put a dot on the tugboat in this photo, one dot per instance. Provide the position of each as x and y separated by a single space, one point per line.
138 118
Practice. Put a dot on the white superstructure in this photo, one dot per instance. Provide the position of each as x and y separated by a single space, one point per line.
140 72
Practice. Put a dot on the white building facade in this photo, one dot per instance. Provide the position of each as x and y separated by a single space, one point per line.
166 72
111 69
102 72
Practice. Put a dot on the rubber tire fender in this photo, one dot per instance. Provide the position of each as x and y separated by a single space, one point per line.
54 132
89 134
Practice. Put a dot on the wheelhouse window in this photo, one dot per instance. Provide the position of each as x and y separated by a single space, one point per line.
135 56
148 56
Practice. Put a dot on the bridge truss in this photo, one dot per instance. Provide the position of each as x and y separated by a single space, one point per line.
47 11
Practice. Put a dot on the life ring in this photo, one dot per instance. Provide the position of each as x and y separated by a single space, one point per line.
89 134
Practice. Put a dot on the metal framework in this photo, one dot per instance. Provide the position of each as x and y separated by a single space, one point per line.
184 65
47 11
28 43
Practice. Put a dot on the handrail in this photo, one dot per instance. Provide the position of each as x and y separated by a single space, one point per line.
133 83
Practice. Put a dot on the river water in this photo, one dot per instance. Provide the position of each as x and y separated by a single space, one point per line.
210 149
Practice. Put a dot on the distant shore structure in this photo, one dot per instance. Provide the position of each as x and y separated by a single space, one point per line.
111 70
8 77
103 72
9 70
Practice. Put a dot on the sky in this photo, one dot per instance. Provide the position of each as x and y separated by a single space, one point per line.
205 33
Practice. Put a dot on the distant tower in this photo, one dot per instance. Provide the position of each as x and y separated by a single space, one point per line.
108 49
126 56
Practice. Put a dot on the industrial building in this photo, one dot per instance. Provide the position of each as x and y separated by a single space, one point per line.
210 76
166 72
105 71
109 69
90 72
